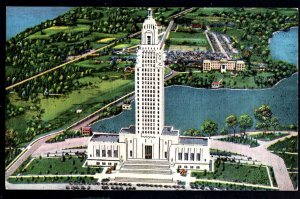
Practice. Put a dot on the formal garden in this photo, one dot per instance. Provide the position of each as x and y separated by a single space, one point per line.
53 179
236 172
226 186
65 165
287 149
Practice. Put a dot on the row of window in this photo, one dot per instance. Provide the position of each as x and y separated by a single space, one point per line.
192 156
147 83
149 69
108 154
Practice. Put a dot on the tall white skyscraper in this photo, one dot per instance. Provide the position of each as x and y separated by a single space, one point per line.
132 150
149 78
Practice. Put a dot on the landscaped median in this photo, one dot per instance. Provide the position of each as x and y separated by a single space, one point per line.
238 174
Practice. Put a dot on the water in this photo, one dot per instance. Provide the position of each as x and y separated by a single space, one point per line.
284 46
187 107
20 18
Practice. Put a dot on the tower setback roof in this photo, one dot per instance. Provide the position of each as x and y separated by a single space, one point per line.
193 140
107 137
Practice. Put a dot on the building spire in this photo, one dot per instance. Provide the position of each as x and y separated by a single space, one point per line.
149 13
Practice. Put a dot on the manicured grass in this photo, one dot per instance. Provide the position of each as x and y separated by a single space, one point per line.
56 166
167 70
288 145
121 46
237 173
222 153
268 136
229 187
106 40
45 179
241 140
188 48
291 160
55 29
178 38
56 106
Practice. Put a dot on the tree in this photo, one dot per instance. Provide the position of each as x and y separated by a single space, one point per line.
274 122
263 114
231 121
10 135
209 127
245 122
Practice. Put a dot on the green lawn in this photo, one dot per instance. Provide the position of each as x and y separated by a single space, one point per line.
57 166
229 187
288 145
237 173
198 39
55 29
56 106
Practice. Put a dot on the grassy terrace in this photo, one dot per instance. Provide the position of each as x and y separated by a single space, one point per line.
236 173
57 166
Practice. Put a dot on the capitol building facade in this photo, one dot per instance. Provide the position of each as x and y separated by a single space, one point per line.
149 141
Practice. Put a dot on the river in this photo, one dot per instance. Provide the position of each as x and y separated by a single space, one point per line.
19 18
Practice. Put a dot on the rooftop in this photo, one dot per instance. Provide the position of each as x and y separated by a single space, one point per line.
130 129
107 137
193 140
168 130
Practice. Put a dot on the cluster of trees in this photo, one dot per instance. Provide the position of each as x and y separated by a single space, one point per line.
118 20
191 79
257 29
110 111
263 115
30 57
12 110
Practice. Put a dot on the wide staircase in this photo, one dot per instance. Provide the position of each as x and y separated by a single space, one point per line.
145 171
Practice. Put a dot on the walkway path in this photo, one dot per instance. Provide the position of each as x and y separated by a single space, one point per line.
261 154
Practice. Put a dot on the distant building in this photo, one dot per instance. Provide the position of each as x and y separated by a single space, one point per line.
215 85
126 106
223 65
86 131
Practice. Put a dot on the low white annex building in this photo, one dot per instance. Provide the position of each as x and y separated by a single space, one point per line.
149 142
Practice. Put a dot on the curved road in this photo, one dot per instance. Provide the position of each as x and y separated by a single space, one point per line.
261 154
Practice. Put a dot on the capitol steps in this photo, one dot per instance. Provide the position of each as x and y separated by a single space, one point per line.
143 180
145 171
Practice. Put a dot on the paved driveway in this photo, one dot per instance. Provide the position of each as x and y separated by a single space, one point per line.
261 154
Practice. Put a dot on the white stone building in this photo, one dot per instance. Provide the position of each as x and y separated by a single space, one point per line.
149 141
223 65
